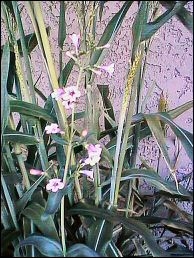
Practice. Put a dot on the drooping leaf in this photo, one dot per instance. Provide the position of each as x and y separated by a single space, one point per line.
183 15
153 178
45 245
34 212
81 250
152 27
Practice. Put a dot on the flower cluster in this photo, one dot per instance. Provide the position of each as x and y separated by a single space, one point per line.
68 96
94 154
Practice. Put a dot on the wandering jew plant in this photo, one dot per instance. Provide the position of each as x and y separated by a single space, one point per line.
70 186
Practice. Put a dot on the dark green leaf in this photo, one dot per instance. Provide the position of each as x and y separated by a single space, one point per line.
34 212
21 203
152 27
45 245
154 178
66 72
19 137
33 110
183 15
59 140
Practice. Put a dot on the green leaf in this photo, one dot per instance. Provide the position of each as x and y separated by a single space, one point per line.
33 110
110 32
152 27
80 250
59 140
5 108
34 212
66 72
19 137
84 209
45 245
21 203
62 25
100 235
183 15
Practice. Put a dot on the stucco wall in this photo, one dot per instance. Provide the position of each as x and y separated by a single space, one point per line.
169 64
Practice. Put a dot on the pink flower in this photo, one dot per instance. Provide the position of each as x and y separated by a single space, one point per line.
58 94
94 149
84 133
54 185
109 68
94 153
76 41
88 173
70 96
53 128
68 104
36 172
71 93
92 160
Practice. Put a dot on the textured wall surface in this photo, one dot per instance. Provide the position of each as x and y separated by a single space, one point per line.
169 65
